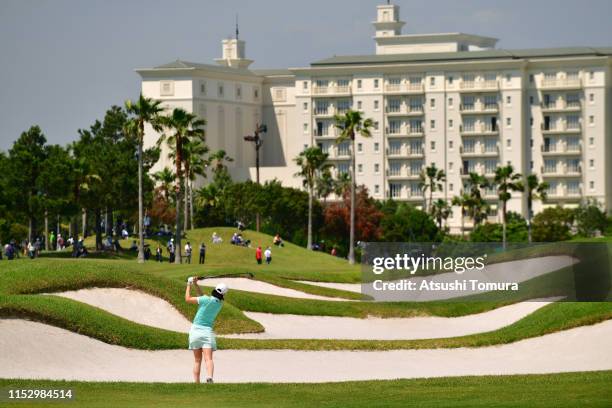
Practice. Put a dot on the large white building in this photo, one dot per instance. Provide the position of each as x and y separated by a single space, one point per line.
451 99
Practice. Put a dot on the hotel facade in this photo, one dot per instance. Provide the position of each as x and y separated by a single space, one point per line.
449 99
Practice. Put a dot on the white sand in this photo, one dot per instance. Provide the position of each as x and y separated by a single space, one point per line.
34 350
143 308
513 271
251 285
327 327
134 305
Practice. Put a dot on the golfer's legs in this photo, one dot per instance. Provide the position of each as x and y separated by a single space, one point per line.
197 365
210 366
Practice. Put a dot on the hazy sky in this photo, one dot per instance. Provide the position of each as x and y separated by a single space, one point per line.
64 62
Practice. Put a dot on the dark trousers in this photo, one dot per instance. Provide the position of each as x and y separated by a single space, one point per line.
202 258
259 261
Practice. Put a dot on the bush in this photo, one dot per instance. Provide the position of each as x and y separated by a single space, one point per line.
404 223
553 224
516 230
590 219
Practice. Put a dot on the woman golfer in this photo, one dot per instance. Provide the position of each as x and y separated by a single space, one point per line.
201 335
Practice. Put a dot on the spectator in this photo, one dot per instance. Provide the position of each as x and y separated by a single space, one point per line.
188 252
124 233
171 250
202 253
268 255
334 252
134 246
9 251
51 242
240 225
147 252
278 241
216 239
158 254
258 255
60 242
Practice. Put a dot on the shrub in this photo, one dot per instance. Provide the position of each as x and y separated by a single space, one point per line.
516 230
590 219
553 224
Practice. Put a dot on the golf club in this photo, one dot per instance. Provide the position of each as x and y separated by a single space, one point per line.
226 275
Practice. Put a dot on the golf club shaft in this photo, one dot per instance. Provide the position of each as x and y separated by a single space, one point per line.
227 275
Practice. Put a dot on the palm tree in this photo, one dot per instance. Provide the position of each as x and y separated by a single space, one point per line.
350 124
312 162
184 127
477 206
440 211
145 110
431 178
506 181
535 191
217 161
165 178
324 185
342 184
462 202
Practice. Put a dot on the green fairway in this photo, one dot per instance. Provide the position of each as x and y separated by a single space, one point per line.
590 389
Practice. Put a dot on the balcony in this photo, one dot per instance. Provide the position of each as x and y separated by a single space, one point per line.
478 130
560 150
404 110
325 133
561 128
401 175
479 151
564 194
404 132
560 106
563 171
478 108
324 112
565 83
331 90
409 88
478 86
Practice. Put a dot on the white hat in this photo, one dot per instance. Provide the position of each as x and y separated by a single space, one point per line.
221 288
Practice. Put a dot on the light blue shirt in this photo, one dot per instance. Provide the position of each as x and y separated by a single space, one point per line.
208 309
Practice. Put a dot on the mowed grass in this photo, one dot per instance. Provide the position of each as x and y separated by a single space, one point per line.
587 389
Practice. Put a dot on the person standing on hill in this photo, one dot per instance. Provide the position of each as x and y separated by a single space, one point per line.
258 255
268 255
188 252
202 339
158 254
202 253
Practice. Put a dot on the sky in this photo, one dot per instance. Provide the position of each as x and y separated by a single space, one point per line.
63 63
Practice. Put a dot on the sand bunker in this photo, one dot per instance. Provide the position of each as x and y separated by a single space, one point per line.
327 327
35 350
132 305
515 271
251 285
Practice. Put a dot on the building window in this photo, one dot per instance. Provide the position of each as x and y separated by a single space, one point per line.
591 119
450 165
376 125
531 164
450 80
305 106
508 78
450 123
531 100
592 163
531 78
359 105
591 141
166 88
592 185
450 144
508 100
376 83
360 147
256 93
220 90
509 143
432 81
375 105
376 147
432 103
531 122
433 145
203 88
360 168
450 187
531 143
450 102
376 189
508 122
305 127
359 83
592 75
376 168
432 124
238 92
591 97
305 85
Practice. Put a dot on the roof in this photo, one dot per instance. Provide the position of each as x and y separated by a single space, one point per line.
272 72
466 56
179 64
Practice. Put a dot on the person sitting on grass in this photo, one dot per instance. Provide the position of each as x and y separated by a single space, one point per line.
278 241
216 239
202 340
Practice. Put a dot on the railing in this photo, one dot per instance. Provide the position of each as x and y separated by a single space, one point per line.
561 127
561 105
409 87
564 171
477 129
478 85
482 150
564 148
560 83
326 90
329 111
478 108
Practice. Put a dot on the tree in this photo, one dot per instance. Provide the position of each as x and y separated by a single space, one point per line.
476 205
324 185
145 110
218 161
440 211
591 219
312 162
553 224
165 178
405 223
350 125
431 178
535 191
463 202
184 127
492 232
26 158
342 184
506 181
